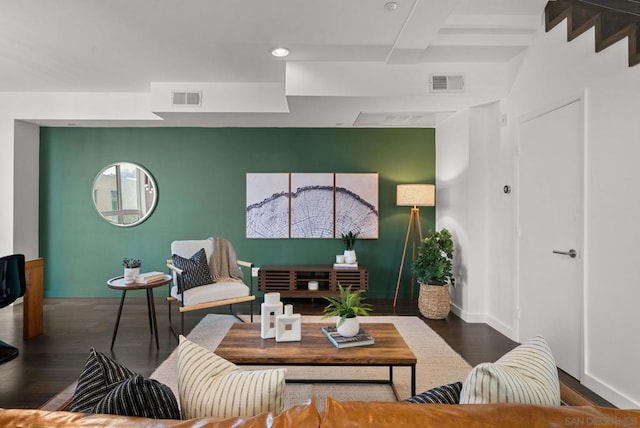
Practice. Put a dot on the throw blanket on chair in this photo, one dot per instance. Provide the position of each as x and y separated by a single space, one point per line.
224 262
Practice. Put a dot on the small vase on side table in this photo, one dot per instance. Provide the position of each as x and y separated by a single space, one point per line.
130 275
131 269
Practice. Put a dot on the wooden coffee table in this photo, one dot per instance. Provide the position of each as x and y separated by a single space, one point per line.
243 345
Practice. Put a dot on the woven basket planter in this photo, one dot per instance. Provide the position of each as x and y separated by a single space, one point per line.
434 301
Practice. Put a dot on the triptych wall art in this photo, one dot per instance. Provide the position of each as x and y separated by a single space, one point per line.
314 205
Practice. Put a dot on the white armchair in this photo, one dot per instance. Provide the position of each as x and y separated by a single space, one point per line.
228 286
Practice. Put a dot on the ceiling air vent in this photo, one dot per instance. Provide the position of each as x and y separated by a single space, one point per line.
408 119
187 98
446 82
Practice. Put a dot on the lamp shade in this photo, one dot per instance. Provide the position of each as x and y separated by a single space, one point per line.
413 195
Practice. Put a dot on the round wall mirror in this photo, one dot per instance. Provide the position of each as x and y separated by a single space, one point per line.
124 194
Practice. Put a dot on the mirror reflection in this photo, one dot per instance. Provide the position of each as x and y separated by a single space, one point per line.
124 194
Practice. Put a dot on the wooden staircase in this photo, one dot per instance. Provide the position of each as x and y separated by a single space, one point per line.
613 20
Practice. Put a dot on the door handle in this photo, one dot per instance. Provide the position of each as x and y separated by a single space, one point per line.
571 253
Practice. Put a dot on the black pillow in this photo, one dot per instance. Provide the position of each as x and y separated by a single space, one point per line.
99 376
196 269
445 394
139 396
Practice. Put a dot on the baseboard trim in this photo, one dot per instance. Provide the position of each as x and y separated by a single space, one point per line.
467 316
500 327
609 393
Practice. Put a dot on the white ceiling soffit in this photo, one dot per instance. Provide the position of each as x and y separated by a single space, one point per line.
219 97
483 81
419 30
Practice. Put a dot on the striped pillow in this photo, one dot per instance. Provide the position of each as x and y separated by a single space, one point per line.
445 394
99 376
139 396
210 386
527 375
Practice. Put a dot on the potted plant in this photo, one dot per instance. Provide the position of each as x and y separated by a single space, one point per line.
131 269
432 269
347 307
349 240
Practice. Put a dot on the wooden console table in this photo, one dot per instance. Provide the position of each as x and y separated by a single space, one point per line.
292 281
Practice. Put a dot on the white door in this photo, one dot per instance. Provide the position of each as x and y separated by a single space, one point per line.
550 222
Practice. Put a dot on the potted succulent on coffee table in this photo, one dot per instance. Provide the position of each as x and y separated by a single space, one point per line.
347 307
432 268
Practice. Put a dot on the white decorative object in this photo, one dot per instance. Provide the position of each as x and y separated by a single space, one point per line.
288 326
339 258
349 256
349 328
269 311
272 298
313 286
130 274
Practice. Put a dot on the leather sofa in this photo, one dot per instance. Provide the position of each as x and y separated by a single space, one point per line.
356 414
578 410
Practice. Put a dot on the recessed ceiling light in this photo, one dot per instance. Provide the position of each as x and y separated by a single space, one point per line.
391 6
280 52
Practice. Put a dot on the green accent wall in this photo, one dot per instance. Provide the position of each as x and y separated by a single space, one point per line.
200 173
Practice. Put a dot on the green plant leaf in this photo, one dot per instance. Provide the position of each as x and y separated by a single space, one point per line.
347 305
433 264
349 240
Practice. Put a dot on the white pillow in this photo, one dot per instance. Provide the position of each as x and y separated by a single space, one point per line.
210 386
527 374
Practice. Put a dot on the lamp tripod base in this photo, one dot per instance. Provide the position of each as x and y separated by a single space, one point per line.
415 231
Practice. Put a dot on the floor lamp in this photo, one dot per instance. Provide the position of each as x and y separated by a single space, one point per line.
413 195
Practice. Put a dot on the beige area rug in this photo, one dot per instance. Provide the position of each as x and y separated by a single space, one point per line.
438 364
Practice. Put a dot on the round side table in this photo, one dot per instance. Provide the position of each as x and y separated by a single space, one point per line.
118 283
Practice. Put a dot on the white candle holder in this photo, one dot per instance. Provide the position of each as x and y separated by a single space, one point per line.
269 310
288 326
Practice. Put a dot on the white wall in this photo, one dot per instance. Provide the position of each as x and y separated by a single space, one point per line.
463 196
452 201
501 226
553 72
26 188
613 236
6 178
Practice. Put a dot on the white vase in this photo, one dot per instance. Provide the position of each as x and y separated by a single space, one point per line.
269 311
349 328
130 274
350 256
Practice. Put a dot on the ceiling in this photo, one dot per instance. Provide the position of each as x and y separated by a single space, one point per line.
352 62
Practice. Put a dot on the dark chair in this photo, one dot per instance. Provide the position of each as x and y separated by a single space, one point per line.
12 285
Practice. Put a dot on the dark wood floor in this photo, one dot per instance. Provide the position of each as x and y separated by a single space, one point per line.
50 362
